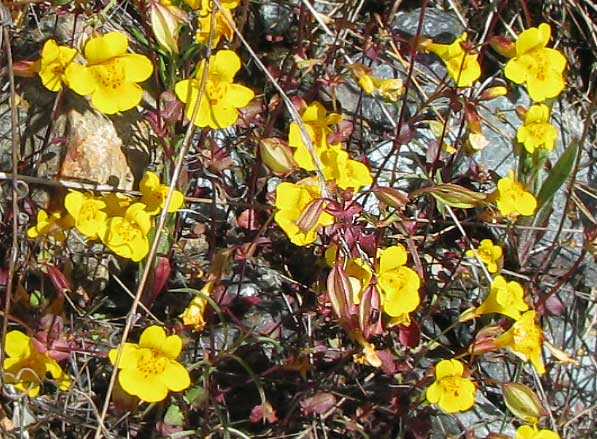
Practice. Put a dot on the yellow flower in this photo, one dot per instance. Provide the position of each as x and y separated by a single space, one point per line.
541 68
221 97
116 204
53 64
221 29
206 5
52 225
127 236
537 132
25 367
298 215
87 212
399 284
111 74
193 313
317 123
154 195
524 339
490 254
513 200
149 369
346 172
462 67
505 298
390 89
531 432
451 391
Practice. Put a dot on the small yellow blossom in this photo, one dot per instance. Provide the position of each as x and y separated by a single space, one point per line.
347 173
53 64
149 369
513 200
489 253
505 298
399 285
87 211
532 432
116 204
463 67
390 89
25 367
541 68
294 202
52 225
127 236
221 97
317 124
222 28
451 391
154 195
537 132
194 312
525 340
206 5
111 74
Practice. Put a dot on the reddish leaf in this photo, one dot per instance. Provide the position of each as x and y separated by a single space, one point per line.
410 335
388 361
58 279
319 403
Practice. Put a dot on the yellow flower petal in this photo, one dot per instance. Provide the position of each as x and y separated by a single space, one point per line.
176 377
105 47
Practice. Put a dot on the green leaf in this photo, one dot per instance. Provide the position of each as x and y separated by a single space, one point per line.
195 396
173 415
558 175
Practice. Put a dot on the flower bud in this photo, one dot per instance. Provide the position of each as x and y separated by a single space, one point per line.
454 195
522 401
166 20
391 197
310 215
340 292
503 45
493 92
276 155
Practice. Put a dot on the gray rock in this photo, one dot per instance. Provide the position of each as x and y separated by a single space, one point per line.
439 25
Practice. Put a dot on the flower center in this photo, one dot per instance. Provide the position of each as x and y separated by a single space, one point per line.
216 90
127 231
537 130
110 74
527 339
151 363
88 212
451 386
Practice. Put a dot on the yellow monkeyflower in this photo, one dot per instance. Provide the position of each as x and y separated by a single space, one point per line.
52 225
206 5
111 75
54 62
221 97
390 89
451 391
346 172
194 312
537 132
524 339
222 28
463 67
154 195
149 369
317 124
116 204
505 298
300 213
25 367
540 67
127 235
532 432
87 211
489 253
512 199
399 285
